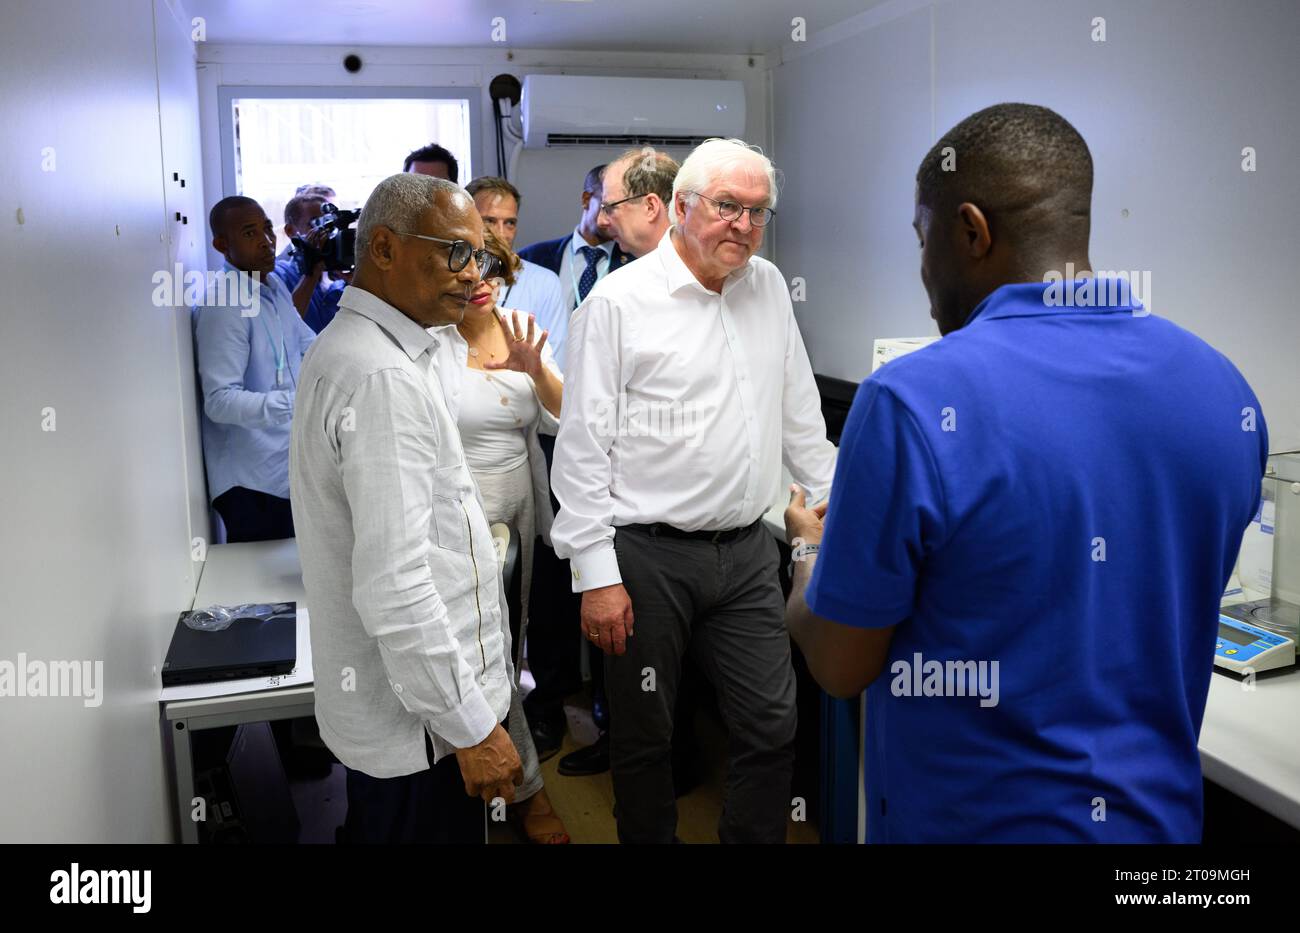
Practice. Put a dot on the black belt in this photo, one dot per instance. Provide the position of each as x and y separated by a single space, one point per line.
668 531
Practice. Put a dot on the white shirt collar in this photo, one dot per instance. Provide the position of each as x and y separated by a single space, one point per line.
414 339
680 275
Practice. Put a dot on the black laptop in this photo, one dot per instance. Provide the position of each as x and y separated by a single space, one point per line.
247 648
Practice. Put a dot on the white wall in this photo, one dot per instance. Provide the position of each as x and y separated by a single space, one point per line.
850 122
1166 104
549 179
99 512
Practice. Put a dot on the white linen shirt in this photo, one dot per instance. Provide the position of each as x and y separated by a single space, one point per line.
680 405
403 587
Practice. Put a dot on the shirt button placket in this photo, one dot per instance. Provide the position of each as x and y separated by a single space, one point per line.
747 402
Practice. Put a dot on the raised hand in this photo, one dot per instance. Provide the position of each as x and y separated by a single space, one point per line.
523 350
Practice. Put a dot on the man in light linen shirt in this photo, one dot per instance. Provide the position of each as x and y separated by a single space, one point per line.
688 386
412 669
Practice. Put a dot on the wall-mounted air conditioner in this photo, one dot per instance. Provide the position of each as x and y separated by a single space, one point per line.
576 110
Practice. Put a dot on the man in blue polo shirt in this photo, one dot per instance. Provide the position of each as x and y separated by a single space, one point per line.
1031 524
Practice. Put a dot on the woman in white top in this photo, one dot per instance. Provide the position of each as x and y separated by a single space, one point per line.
505 387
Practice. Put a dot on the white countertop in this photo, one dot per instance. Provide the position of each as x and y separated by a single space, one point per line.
257 572
1250 740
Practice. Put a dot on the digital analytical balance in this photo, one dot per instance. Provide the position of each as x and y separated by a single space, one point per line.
1242 646
1259 618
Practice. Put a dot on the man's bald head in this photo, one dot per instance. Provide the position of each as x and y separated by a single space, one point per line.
1004 196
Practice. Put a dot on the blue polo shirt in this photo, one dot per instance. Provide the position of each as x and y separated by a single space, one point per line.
1047 504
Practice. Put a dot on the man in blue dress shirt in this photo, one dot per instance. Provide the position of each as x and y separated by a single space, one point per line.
248 355
1031 524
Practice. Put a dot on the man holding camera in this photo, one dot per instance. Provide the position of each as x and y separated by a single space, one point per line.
315 294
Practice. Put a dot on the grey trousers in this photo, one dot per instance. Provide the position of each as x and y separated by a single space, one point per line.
722 603
508 498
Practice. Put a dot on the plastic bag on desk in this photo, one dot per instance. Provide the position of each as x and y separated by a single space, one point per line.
218 618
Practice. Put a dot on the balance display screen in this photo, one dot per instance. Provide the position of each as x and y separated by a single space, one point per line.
1236 635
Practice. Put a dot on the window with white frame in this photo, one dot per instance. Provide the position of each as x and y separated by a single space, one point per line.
348 144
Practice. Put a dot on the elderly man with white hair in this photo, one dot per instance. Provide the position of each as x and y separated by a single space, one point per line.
688 386
413 676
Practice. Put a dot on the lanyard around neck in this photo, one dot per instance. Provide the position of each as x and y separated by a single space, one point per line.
281 354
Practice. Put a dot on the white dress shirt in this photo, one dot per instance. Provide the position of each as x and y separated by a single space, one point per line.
398 561
680 405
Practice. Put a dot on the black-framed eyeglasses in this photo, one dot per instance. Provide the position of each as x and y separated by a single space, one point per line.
461 252
731 211
607 208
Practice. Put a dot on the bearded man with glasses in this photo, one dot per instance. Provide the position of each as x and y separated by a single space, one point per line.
413 670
